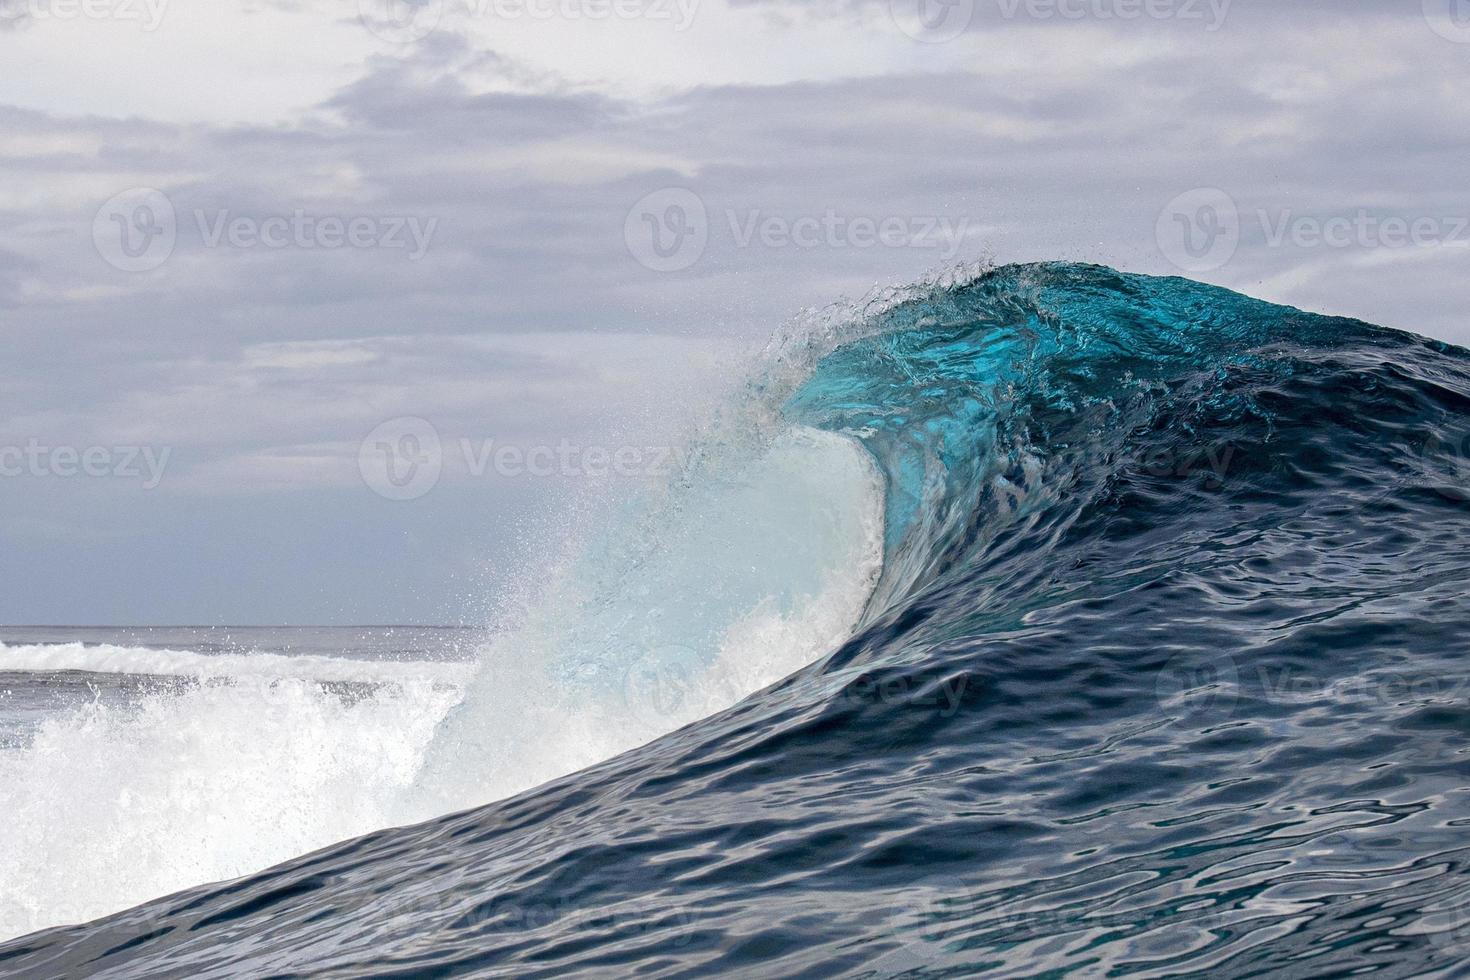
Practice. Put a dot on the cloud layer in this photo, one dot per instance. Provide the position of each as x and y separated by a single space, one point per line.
529 226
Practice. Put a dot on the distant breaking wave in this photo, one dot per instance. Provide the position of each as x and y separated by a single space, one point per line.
143 661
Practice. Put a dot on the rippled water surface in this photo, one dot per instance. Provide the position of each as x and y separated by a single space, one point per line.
1166 673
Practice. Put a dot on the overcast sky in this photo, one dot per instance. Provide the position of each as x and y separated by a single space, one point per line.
246 246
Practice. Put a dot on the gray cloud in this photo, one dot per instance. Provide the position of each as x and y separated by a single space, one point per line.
527 313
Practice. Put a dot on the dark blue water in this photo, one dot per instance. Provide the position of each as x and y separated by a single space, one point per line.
1166 674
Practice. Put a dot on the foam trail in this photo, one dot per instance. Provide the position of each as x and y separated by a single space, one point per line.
109 659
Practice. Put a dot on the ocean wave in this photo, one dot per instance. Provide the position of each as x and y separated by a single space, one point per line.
1042 619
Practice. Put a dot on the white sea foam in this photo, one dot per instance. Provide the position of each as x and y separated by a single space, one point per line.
108 807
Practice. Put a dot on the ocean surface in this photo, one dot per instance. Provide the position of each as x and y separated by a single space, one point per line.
1038 621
